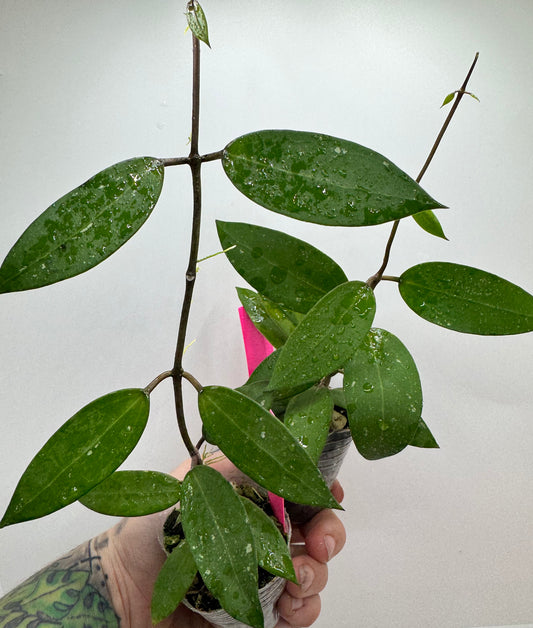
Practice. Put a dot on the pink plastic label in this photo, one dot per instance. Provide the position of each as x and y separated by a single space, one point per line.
257 348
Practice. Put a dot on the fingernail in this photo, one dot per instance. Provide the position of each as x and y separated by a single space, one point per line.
329 542
305 577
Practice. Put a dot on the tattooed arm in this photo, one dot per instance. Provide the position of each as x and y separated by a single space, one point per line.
108 581
72 591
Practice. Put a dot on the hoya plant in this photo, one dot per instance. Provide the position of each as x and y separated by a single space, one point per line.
332 369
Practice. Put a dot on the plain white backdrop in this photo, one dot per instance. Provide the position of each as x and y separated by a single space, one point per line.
439 538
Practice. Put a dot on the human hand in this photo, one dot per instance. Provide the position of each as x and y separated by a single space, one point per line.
133 558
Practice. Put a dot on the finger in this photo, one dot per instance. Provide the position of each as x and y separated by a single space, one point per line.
324 536
298 611
312 576
337 491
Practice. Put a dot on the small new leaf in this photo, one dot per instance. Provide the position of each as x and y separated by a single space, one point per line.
430 223
197 21
448 99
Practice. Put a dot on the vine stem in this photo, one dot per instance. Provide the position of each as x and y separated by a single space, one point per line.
194 161
373 281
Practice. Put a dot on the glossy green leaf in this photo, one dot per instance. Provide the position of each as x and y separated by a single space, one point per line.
423 437
284 269
383 394
197 21
85 226
326 338
264 369
339 399
262 447
448 99
133 493
430 223
217 529
272 320
258 392
308 417
321 179
80 455
173 582
272 550
466 299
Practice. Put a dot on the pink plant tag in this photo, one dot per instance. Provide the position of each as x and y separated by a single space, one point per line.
257 347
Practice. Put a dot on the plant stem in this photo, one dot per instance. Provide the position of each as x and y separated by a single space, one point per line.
195 163
157 381
373 281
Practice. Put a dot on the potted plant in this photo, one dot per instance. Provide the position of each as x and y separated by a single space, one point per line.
321 321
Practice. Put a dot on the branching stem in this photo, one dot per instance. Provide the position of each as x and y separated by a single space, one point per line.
148 390
373 281
195 163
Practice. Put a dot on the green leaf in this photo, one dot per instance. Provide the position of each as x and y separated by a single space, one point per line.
85 226
262 447
466 299
383 394
133 493
326 338
80 455
308 417
321 179
271 548
173 582
284 269
448 99
258 392
217 529
430 223
272 320
423 437
197 21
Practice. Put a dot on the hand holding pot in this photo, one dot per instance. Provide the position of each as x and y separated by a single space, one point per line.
134 556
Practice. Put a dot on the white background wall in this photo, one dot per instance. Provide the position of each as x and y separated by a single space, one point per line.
436 538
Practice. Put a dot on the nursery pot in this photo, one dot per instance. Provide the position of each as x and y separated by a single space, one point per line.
270 589
329 464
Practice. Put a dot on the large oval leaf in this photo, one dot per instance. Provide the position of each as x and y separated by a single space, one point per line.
133 493
287 270
273 321
321 179
85 226
383 395
218 533
308 417
326 338
173 582
80 455
262 447
466 299
271 547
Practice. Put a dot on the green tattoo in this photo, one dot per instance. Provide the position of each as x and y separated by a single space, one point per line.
71 592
